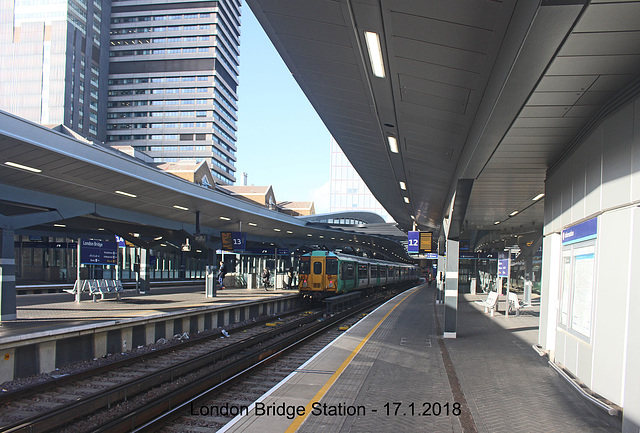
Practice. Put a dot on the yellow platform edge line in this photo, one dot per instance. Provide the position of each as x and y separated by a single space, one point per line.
297 422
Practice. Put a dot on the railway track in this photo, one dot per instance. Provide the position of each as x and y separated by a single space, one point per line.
47 406
136 391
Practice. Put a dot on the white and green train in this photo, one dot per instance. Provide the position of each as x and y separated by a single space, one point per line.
324 273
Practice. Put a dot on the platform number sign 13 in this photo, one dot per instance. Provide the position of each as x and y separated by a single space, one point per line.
413 246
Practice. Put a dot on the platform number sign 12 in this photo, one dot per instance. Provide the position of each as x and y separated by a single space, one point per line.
413 246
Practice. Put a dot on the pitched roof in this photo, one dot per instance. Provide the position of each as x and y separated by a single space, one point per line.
296 204
247 190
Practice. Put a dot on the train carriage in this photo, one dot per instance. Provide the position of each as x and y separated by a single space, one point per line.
323 273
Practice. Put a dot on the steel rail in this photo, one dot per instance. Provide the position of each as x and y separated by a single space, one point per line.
156 413
104 399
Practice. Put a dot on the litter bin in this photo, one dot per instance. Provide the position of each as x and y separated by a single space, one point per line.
210 282
252 281
528 285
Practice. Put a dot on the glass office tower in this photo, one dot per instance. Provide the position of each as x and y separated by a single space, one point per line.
53 68
173 80
348 192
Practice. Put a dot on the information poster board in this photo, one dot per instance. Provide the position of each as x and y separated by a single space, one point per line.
98 252
578 278
503 264
583 272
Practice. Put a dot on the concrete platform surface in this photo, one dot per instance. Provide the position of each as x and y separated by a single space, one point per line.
392 373
55 311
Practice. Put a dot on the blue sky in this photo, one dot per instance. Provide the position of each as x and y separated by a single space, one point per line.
281 139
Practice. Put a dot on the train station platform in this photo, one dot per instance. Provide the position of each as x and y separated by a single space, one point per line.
392 372
52 330
50 311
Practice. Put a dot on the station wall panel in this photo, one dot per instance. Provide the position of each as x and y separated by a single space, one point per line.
616 161
593 192
612 283
632 371
600 179
584 369
635 158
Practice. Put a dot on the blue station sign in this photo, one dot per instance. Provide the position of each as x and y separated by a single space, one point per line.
98 252
580 232
503 264
413 247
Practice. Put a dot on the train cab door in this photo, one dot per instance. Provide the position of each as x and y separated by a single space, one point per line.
317 274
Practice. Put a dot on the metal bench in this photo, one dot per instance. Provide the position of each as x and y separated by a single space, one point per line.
97 287
514 303
340 302
490 303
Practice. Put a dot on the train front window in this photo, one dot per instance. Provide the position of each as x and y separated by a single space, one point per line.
305 267
317 268
332 267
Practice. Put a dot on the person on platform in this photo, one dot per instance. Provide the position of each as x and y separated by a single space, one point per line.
290 273
222 272
266 275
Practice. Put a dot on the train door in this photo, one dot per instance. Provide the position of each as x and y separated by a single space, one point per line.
317 275
331 274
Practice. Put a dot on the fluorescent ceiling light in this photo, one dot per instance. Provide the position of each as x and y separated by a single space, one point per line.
158 238
225 218
496 223
277 230
253 224
538 197
127 194
290 232
406 199
100 228
403 186
393 144
180 207
309 234
23 167
375 53
514 213
59 225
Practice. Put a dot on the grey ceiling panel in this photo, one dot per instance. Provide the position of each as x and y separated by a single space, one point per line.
596 65
566 83
619 17
602 44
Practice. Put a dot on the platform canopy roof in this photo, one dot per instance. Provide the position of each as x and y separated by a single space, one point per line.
494 92
56 183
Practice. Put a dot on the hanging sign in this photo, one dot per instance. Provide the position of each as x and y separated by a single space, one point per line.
234 241
413 247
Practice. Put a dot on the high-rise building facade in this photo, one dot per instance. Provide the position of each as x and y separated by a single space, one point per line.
53 62
348 192
173 80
